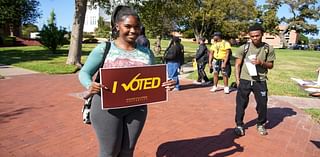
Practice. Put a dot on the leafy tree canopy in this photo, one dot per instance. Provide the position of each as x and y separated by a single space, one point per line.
27 29
19 11
203 16
301 11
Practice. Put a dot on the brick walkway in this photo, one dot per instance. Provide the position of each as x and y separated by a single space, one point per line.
38 117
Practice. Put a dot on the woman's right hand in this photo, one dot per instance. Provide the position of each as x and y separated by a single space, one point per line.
170 84
95 88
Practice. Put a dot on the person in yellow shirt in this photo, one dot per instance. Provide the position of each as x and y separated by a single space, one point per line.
219 60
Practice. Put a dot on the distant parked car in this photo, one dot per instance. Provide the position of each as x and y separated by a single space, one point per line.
317 48
34 35
300 47
297 47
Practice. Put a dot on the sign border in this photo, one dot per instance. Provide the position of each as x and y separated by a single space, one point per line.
147 104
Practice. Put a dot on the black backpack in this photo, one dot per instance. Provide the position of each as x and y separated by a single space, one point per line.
171 53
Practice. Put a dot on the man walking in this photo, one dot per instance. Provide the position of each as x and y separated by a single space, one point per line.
219 60
202 59
251 66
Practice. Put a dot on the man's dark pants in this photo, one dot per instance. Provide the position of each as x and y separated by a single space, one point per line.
201 73
260 91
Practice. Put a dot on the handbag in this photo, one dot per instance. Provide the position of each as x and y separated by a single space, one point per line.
86 110
88 98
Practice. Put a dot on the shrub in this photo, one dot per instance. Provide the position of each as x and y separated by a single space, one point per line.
103 30
90 41
27 29
102 33
52 37
87 35
7 41
188 34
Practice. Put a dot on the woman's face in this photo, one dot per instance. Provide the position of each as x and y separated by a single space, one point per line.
129 29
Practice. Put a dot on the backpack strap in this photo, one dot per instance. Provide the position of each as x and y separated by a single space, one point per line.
246 49
106 51
266 51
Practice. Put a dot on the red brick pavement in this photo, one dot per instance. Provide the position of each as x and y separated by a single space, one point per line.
38 117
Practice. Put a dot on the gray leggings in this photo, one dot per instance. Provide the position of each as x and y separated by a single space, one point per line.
117 130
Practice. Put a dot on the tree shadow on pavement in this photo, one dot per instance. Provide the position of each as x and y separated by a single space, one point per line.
275 116
7 116
214 146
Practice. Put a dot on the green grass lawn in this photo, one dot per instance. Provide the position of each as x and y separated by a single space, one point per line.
39 59
315 113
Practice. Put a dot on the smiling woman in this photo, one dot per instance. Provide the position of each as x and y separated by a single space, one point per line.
118 130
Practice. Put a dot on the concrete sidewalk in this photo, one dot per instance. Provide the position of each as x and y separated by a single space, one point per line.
8 70
39 118
302 103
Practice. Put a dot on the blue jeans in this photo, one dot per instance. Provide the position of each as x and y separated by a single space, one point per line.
173 72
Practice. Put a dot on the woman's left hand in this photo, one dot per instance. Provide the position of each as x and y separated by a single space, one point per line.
170 84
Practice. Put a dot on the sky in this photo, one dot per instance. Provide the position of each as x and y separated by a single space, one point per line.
64 10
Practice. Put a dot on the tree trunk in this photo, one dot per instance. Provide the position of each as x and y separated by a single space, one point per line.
11 30
196 33
74 55
209 40
283 41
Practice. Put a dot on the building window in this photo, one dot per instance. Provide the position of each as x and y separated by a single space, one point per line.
269 37
94 20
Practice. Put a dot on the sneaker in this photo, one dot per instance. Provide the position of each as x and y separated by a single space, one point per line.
239 131
196 83
226 90
213 89
262 130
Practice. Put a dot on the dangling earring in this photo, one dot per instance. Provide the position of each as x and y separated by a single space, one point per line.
115 32
117 29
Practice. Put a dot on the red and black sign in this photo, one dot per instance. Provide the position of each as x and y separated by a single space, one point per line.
133 86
